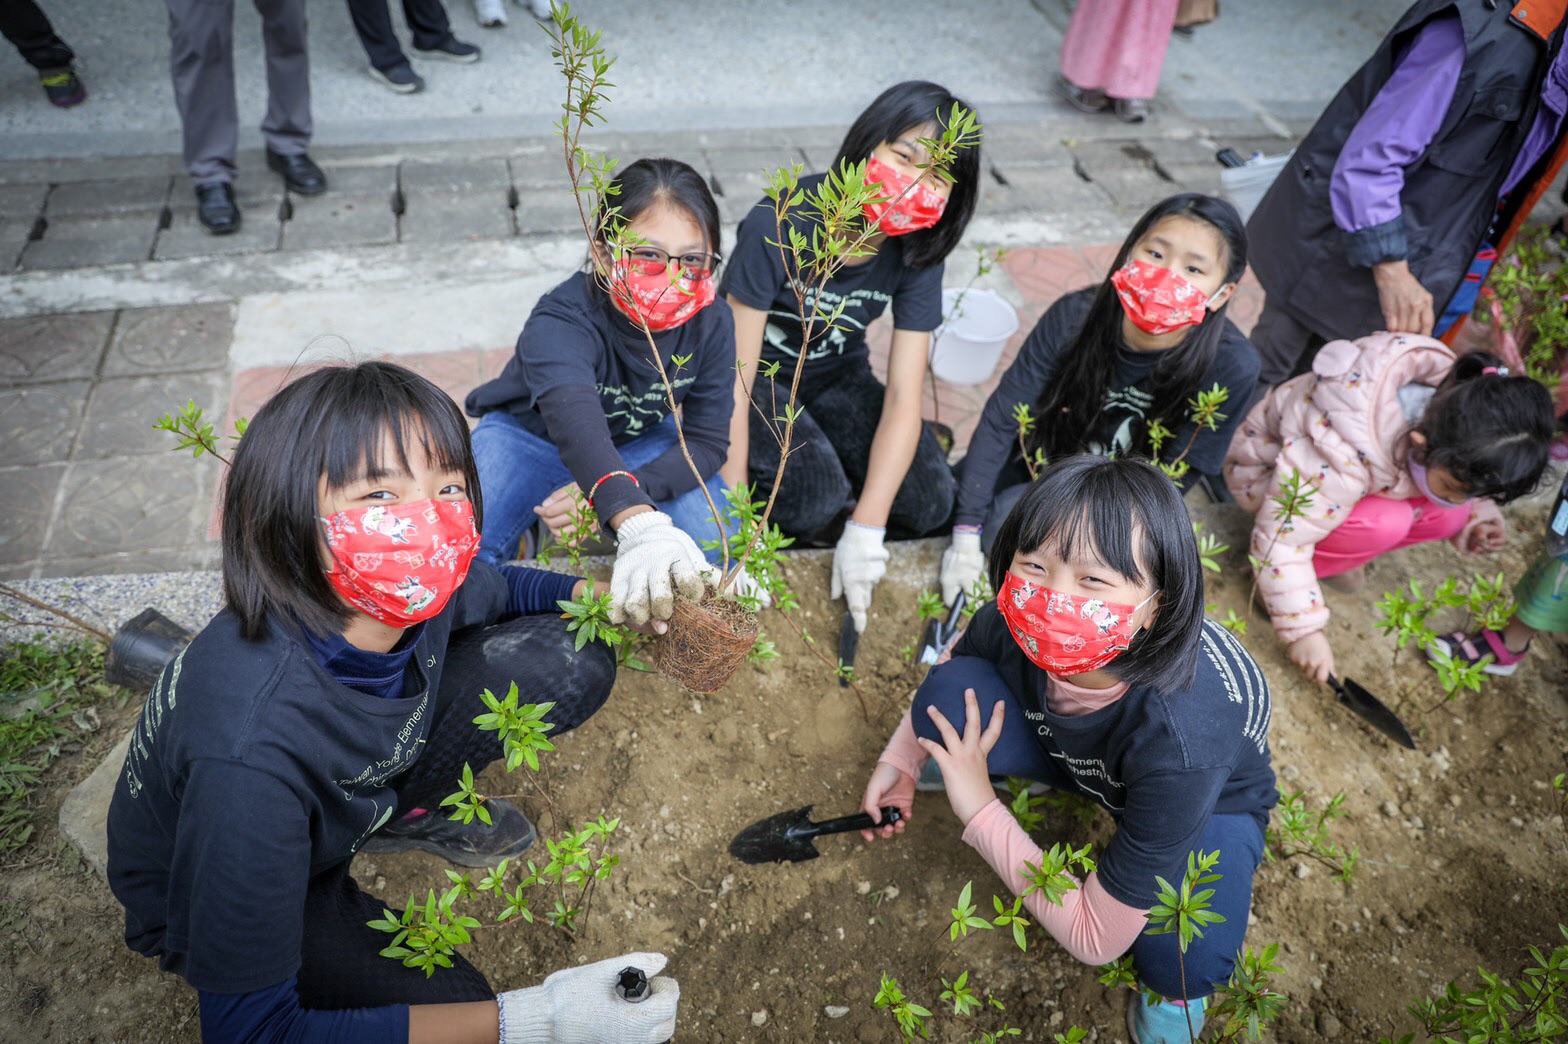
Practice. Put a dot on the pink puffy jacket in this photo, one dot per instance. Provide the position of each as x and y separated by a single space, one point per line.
1342 427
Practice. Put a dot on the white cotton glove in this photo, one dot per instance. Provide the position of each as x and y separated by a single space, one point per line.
962 562
654 561
859 561
743 584
580 1006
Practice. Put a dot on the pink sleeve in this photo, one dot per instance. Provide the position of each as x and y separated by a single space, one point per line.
1090 924
904 751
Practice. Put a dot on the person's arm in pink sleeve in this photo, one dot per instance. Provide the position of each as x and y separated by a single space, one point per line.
1090 924
903 750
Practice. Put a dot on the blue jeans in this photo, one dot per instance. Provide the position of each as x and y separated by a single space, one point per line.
518 470
1238 838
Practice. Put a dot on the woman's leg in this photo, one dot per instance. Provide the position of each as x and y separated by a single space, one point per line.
689 510
517 471
341 964
848 411
1208 961
1374 526
539 655
1118 45
814 489
1017 752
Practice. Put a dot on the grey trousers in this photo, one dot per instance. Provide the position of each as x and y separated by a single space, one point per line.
201 61
1285 347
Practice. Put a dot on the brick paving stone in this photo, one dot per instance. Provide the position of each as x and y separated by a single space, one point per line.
550 209
543 167
38 422
251 388
122 410
1048 190
443 218
28 496
455 177
165 340
52 347
1042 274
817 153
13 238
108 197
260 230
456 373
130 503
1011 144
23 203
336 220
366 179
92 241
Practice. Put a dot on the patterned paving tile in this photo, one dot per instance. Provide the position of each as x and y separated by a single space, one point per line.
52 347
167 340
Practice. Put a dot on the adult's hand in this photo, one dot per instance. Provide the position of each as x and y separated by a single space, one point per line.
1314 656
655 561
859 561
580 1006
962 563
1406 304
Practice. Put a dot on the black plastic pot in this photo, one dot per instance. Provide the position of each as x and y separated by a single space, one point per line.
142 647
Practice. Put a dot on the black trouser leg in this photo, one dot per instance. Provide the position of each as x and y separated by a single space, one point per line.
814 489
538 654
342 966
427 22
30 33
373 23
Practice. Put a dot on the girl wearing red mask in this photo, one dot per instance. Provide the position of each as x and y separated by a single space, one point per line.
327 711
861 462
1100 676
580 409
1103 363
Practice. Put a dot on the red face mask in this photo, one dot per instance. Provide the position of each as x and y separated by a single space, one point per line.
1157 300
920 209
1063 633
401 563
651 298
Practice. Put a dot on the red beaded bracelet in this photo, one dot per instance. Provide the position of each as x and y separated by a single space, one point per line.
596 485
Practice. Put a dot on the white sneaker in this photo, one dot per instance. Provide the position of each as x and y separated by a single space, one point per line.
489 13
540 9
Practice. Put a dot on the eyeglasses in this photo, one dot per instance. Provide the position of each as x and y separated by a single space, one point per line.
649 260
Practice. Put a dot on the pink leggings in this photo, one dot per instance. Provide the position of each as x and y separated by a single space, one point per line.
1377 525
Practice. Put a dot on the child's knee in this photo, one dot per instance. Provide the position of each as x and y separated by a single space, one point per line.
944 689
1375 524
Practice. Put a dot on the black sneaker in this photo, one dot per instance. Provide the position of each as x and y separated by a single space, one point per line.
62 87
508 836
451 50
400 78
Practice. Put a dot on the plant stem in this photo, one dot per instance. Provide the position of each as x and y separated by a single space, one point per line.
77 622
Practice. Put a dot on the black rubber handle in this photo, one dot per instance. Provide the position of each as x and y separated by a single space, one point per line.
858 821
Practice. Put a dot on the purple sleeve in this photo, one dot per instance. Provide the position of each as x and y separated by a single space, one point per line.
1391 135
274 1016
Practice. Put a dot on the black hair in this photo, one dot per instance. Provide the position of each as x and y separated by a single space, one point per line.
915 103
649 182
1133 519
1070 406
1492 433
329 423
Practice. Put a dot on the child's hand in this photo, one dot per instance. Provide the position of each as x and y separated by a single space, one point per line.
1314 656
963 760
1487 536
888 787
558 508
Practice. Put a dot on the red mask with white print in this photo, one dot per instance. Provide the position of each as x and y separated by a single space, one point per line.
401 563
920 209
1062 633
1157 300
653 298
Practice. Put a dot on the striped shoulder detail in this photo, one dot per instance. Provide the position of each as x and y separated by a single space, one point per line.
1242 679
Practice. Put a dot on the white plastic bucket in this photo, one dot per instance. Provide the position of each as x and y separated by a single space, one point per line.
1246 186
975 327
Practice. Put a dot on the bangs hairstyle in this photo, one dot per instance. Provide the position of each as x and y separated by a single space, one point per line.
1492 433
650 182
903 107
1071 404
330 424
1126 513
